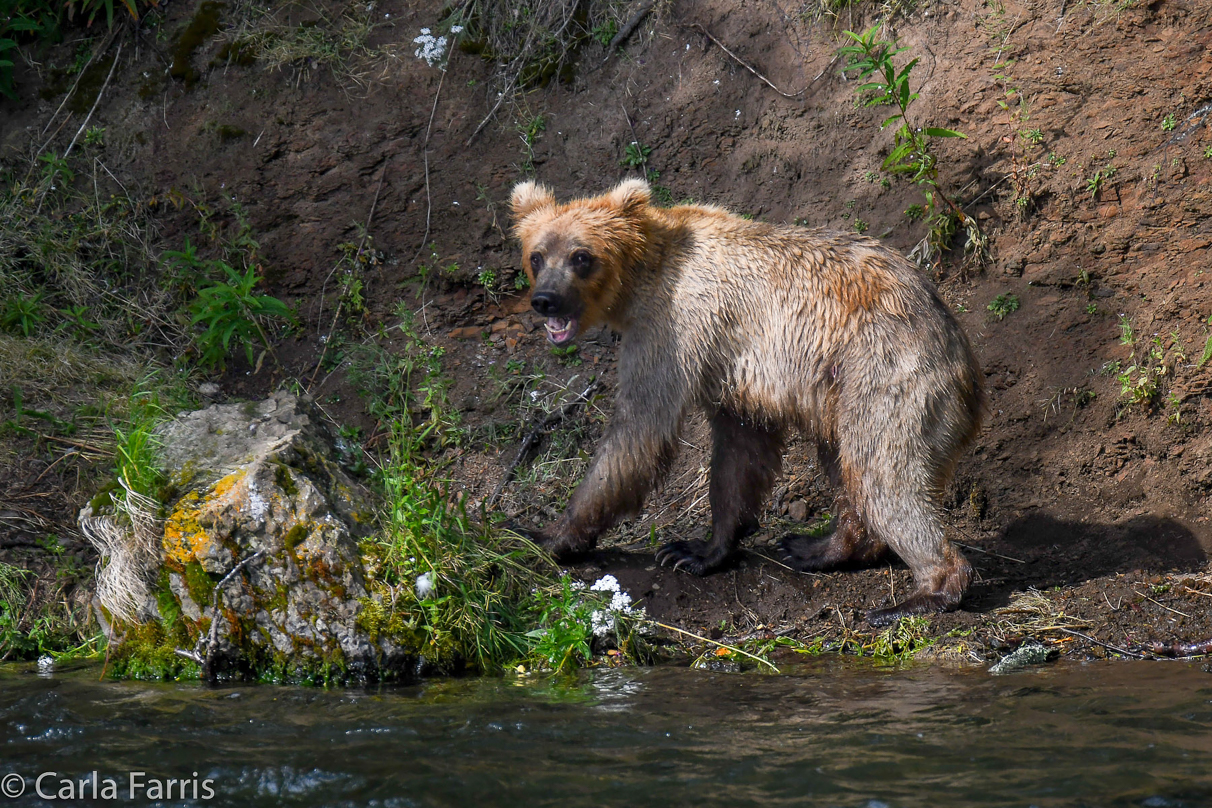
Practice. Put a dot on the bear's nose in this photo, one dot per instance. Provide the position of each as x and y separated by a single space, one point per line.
547 304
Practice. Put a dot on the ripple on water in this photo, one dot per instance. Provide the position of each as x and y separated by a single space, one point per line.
827 734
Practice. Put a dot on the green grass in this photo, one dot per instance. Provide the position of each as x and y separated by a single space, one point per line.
494 600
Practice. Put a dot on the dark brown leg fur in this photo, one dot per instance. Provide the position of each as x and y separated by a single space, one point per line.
745 459
849 545
628 463
942 590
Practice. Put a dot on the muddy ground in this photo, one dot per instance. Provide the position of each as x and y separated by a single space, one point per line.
1090 489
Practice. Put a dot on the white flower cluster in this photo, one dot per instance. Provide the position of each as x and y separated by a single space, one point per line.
620 604
431 48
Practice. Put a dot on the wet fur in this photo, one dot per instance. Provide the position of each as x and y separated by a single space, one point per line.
766 328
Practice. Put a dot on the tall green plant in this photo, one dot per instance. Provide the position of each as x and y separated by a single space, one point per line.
10 29
912 153
233 316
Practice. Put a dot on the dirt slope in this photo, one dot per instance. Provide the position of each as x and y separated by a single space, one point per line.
1080 480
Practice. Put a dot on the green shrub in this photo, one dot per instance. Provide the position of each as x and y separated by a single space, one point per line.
235 316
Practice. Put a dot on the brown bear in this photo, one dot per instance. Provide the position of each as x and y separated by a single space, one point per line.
766 328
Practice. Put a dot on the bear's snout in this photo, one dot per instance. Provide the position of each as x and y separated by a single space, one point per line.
547 303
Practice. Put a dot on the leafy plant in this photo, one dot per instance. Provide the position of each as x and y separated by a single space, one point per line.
1207 354
76 319
567 355
661 194
912 152
565 639
530 130
1003 305
1126 334
903 641
1095 183
605 31
232 314
22 314
1169 122
1032 136
635 155
55 170
11 27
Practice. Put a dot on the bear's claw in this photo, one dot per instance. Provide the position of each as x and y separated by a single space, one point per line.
692 556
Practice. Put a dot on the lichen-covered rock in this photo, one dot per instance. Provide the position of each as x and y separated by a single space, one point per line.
263 523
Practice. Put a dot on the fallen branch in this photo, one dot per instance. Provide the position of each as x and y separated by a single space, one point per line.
1108 646
1176 650
627 30
425 157
988 552
212 644
745 64
96 101
543 427
731 648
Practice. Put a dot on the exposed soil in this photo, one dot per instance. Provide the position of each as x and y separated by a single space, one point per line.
1071 486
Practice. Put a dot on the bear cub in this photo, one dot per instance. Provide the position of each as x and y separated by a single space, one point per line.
766 328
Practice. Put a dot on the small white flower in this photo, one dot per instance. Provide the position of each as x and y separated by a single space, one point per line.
621 602
456 29
424 585
432 49
607 583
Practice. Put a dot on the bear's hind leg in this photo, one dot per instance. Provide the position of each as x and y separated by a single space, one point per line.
745 459
899 506
849 545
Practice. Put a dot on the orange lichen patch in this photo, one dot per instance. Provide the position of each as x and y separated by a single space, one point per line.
185 540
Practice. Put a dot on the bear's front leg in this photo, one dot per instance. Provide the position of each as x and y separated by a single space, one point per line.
745 460
629 462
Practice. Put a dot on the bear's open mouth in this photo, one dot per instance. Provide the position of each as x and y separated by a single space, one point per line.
560 330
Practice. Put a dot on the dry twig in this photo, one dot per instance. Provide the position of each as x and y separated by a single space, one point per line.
542 428
746 65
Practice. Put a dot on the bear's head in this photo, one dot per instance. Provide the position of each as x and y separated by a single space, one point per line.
578 254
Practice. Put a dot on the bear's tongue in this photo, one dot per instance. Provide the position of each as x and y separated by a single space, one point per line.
560 329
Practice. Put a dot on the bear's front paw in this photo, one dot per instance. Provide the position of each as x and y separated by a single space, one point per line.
693 556
531 533
560 547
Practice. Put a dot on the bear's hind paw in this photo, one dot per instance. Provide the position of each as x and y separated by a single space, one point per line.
917 603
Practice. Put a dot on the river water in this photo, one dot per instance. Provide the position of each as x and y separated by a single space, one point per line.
830 733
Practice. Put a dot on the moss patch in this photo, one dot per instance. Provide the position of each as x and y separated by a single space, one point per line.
149 651
202 27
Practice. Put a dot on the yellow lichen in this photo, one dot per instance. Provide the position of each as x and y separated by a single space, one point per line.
185 540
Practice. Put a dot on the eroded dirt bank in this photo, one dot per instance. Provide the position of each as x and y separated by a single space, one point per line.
1090 482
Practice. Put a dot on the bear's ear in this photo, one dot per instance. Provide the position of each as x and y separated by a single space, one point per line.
630 196
529 196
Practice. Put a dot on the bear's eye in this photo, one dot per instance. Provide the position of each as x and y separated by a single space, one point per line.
536 263
582 261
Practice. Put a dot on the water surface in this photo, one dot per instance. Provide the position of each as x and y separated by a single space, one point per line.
831 733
